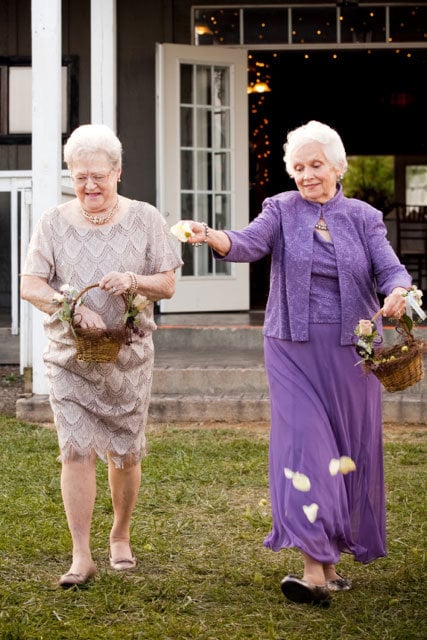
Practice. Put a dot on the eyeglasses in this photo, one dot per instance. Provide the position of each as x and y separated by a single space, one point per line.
97 178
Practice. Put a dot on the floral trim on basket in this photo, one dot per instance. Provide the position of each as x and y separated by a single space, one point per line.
69 299
398 366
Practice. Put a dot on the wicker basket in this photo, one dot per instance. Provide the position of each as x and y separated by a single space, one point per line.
406 367
97 345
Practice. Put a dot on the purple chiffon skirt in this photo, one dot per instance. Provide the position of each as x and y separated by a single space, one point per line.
324 407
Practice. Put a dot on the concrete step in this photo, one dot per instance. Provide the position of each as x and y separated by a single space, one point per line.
216 373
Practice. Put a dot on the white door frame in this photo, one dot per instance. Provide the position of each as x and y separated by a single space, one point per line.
214 291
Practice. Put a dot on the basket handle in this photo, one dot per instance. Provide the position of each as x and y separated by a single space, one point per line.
401 327
82 292
85 290
377 315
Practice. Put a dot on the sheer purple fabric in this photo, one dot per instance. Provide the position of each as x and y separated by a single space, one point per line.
324 407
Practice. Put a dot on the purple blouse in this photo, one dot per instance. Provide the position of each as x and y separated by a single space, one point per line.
366 262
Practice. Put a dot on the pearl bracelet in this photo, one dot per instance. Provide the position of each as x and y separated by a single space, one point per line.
206 228
133 283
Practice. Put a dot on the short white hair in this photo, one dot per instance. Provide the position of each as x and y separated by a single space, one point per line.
90 139
314 131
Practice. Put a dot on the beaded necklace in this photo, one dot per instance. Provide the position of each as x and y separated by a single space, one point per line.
321 227
100 219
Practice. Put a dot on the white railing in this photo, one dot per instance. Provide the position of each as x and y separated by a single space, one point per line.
19 185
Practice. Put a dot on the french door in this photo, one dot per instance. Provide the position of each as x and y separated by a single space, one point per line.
202 165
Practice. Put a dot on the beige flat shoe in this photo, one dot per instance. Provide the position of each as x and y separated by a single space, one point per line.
127 564
123 564
69 580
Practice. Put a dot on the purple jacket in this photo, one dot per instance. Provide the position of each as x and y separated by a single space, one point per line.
366 262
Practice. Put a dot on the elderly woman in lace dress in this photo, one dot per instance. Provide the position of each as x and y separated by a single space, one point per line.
100 409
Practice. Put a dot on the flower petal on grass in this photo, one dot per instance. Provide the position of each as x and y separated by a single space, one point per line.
310 511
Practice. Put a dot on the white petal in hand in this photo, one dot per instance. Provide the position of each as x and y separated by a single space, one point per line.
182 231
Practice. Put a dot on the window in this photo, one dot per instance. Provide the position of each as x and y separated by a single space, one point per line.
341 22
16 99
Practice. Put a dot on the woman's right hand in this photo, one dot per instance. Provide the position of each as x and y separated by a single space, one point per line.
199 231
216 239
85 318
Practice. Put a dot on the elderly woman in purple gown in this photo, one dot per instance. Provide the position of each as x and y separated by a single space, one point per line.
329 258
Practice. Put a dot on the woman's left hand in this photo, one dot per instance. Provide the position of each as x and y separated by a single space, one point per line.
116 283
395 304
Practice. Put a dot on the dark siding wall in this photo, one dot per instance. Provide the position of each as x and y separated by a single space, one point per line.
15 40
76 43
140 26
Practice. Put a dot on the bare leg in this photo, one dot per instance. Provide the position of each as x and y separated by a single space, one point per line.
313 571
78 486
124 486
330 571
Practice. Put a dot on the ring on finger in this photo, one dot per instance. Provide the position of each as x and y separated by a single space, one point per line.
114 289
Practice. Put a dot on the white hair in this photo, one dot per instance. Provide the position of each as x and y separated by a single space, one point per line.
90 139
314 131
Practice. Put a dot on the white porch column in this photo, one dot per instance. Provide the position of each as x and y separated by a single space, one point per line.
46 139
103 63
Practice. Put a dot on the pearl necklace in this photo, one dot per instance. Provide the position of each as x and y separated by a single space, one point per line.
100 219
321 227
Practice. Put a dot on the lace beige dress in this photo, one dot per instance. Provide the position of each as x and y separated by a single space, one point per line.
101 407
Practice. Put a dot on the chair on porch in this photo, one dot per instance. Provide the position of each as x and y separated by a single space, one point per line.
411 240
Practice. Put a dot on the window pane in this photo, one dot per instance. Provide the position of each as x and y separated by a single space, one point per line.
222 211
362 24
265 26
314 25
204 208
186 127
204 171
187 205
204 128
186 169
408 24
186 84
221 129
216 27
222 171
204 89
221 88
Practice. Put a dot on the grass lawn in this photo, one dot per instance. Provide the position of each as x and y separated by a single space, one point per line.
197 533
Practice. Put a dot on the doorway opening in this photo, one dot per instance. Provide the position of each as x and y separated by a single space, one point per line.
376 114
